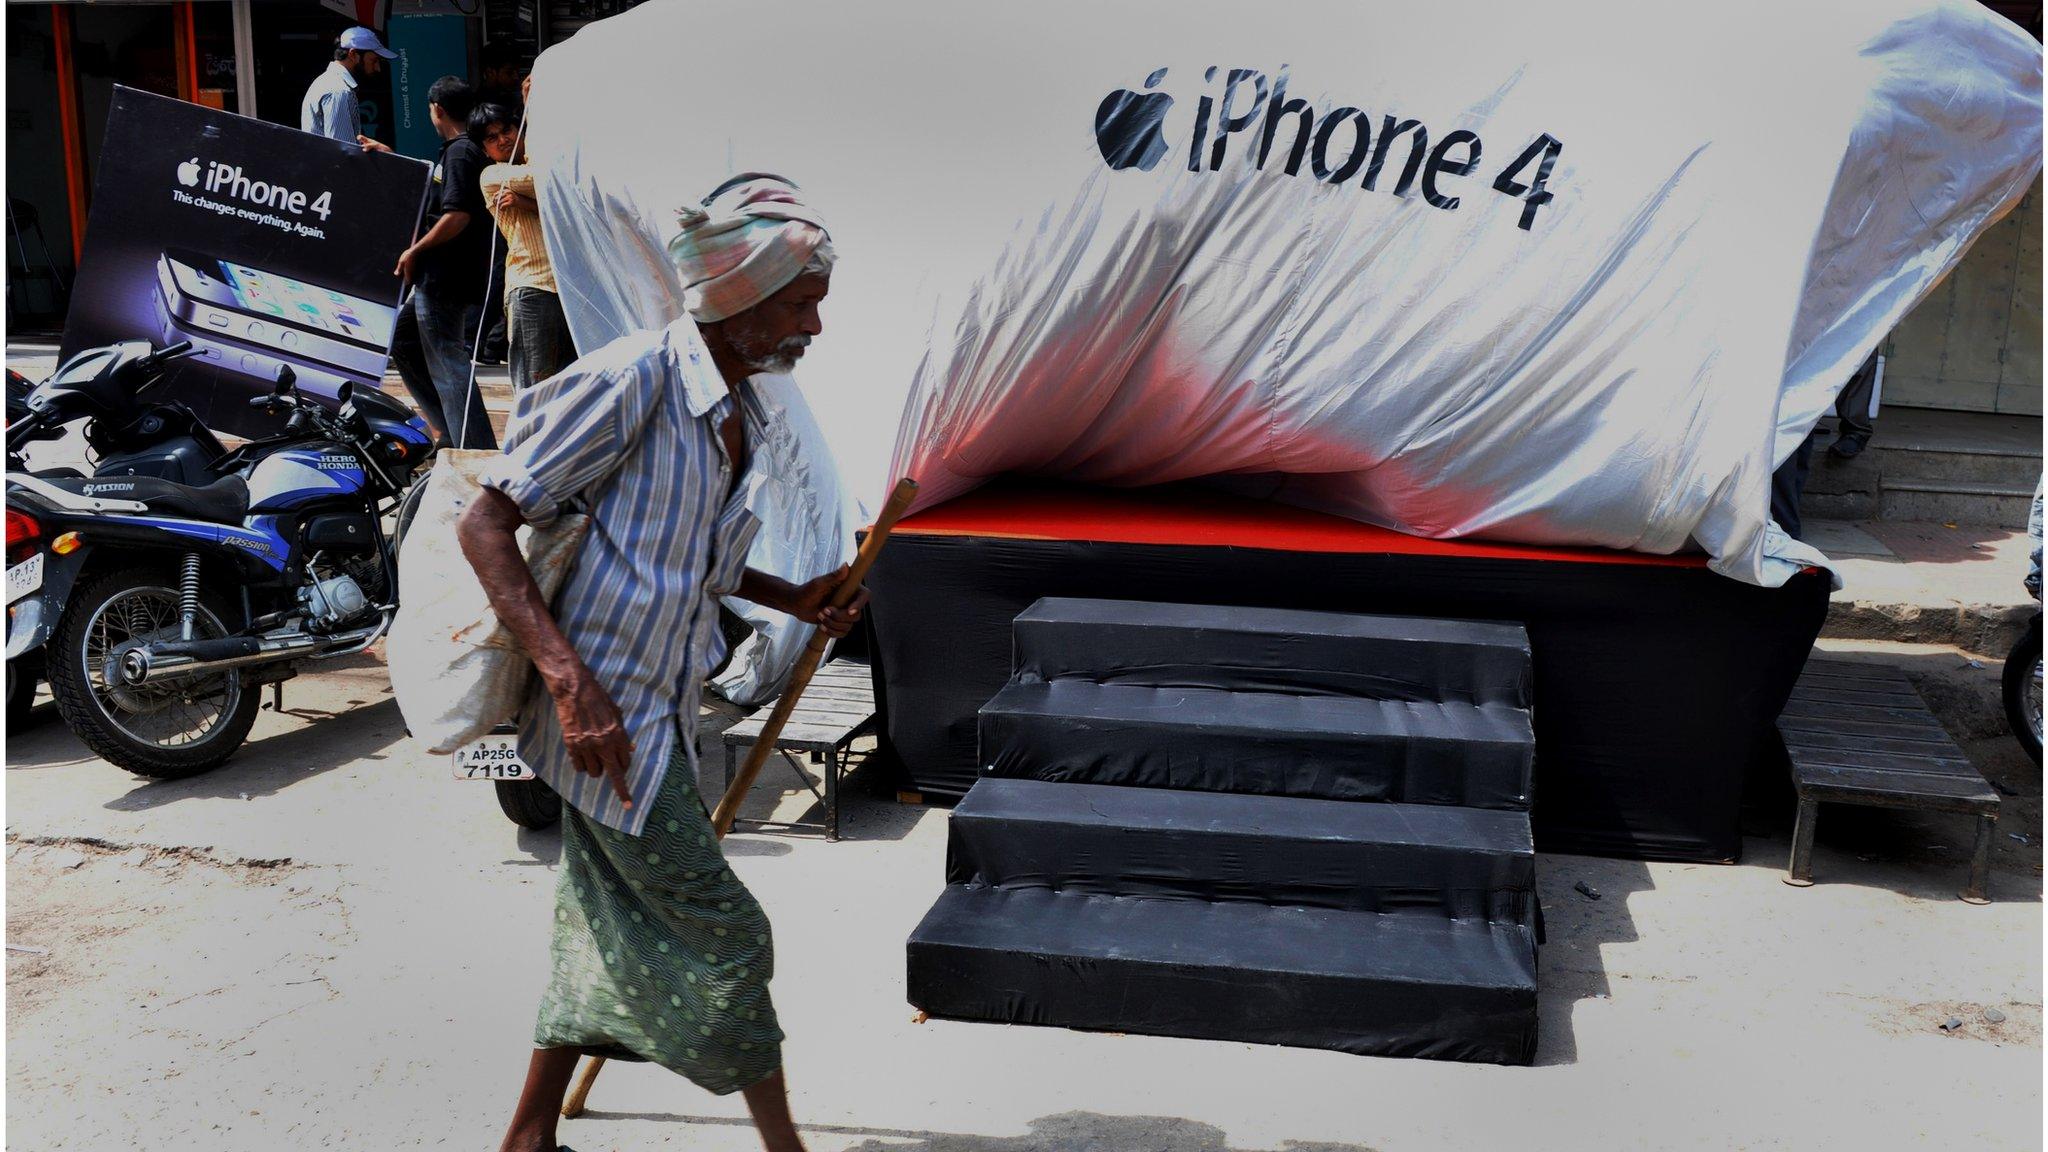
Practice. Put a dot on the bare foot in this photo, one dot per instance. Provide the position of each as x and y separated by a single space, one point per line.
529 1142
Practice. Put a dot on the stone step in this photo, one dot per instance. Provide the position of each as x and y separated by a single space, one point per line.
1957 501
1102 840
1271 743
1356 982
2004 468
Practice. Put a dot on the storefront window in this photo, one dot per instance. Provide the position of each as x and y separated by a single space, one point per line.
130 44
39 260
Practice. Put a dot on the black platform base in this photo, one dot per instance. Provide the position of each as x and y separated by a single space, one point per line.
1655 680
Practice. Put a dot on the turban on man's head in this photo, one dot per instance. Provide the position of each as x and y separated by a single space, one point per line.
753 235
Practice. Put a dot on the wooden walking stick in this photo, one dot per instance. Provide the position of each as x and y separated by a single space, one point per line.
799 678
729 808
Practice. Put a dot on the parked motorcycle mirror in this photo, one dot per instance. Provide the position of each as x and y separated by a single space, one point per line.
170 352
282 395
151 364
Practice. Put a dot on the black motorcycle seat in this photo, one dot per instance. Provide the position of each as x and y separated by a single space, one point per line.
225 501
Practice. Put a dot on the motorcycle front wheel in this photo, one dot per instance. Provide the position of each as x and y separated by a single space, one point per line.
408 508
166 730
2022 685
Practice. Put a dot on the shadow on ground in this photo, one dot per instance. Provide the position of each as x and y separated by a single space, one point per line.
264 766
267 766
1578 923
1066 1132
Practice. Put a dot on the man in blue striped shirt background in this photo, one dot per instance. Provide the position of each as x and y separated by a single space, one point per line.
330 107
660 953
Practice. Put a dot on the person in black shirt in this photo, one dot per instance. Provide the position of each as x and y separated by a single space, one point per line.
449 268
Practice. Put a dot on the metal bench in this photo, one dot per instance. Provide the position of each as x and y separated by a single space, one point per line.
838 706
1861 734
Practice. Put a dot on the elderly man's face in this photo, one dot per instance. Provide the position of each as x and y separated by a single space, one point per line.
772 335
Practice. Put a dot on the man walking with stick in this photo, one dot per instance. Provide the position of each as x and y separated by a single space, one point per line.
660 953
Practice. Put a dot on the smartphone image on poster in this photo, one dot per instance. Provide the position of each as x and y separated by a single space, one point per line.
286 317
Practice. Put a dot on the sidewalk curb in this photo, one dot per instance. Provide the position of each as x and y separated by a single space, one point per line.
1985 629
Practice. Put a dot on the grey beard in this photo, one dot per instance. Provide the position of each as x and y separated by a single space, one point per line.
781 360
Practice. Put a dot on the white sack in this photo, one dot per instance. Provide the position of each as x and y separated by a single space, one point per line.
1746 197
456 670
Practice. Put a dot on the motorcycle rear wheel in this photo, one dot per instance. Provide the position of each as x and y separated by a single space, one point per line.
2022 684
529 803
164 731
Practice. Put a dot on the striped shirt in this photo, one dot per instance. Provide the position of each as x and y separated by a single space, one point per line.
526 255
631 430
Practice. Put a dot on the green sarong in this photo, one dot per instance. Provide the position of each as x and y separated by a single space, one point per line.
660 953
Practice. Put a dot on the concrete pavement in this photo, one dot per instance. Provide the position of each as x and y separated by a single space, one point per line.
330 943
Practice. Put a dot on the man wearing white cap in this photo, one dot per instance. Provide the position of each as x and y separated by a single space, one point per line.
660 953
329 108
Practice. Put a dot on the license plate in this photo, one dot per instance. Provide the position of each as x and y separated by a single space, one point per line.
25 577
491 758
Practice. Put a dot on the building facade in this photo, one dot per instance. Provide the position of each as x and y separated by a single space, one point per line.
252 57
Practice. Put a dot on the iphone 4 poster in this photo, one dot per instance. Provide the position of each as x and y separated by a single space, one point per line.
264 246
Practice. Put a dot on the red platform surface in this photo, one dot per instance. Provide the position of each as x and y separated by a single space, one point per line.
1200 517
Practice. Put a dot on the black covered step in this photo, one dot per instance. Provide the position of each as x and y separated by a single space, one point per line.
1203 739
1273 650
1352 981
1104 840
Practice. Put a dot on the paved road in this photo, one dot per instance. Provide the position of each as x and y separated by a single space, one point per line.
329 943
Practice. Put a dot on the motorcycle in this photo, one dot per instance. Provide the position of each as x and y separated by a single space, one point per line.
127 438
2022 679
2022 688
164 607
2022 684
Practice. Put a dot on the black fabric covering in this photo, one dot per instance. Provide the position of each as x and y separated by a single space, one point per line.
1378 985
1273 650
1108 841
1654 687
1213 740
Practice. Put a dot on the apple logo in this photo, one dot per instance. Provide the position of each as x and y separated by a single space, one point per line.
1129 126
188 172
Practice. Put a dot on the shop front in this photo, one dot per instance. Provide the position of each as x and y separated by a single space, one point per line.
65 59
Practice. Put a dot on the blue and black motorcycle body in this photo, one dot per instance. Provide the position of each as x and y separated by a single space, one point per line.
163 607
96 393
